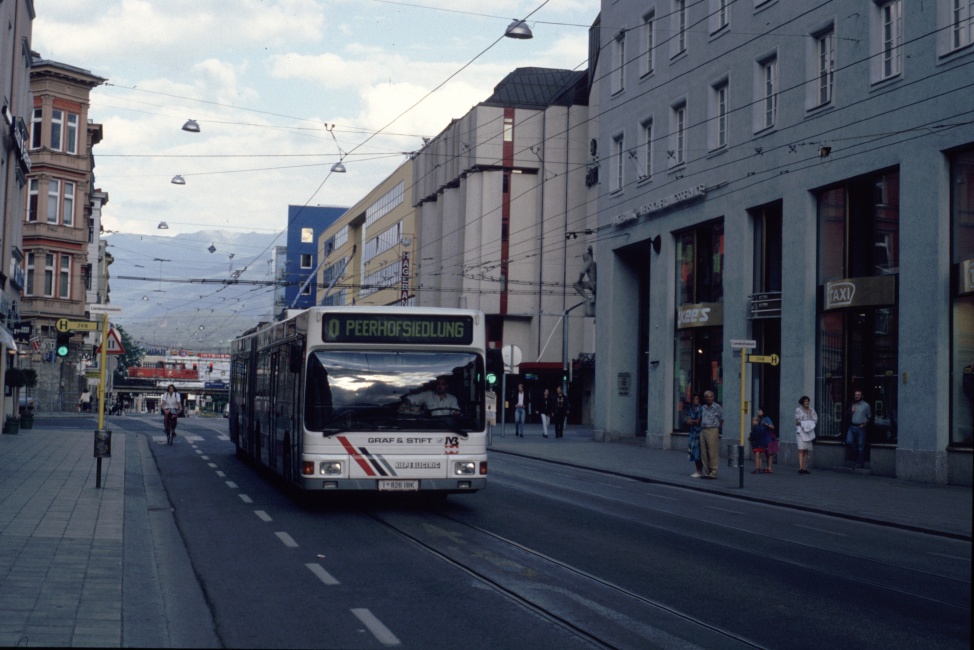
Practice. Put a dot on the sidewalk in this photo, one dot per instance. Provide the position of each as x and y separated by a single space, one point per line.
87 566
913 506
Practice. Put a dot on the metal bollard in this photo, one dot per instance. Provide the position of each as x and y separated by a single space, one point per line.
103 449
732 453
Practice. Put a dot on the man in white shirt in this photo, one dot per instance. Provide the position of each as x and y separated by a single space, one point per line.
438 402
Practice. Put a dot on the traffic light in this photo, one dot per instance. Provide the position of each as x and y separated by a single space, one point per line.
495 366
62 345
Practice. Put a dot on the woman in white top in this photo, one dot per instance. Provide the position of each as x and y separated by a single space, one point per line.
805 420
172 402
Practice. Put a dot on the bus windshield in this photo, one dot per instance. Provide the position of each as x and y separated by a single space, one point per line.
379 391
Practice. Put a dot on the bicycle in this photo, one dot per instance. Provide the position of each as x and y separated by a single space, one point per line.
169 419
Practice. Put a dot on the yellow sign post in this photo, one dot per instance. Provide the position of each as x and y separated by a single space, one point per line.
103 437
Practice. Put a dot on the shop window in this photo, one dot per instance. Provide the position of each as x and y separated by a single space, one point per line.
858 327
699 336
962 312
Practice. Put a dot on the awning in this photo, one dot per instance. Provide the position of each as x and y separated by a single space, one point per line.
7 339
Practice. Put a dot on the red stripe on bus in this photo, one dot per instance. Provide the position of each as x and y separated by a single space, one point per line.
358 458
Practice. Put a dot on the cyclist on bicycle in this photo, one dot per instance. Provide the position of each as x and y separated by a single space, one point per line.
172 403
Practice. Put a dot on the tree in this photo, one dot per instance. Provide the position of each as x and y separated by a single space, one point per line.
133 355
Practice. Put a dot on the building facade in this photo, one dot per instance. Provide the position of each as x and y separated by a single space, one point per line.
15 165
799 177
370 251
505 212
305 223
58 225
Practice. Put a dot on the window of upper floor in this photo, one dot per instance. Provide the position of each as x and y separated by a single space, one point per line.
680 28
57 204
676 154
647 61
719 16
617 174
63 134
955 26
820 66
765 92
618 72
885 40
719 114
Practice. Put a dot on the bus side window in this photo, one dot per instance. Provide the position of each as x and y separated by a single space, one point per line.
294 358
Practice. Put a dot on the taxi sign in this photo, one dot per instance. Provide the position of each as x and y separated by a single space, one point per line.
65 325
764 358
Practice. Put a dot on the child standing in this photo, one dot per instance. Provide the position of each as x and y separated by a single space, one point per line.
760 439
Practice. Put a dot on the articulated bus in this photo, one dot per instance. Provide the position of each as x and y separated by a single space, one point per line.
364 398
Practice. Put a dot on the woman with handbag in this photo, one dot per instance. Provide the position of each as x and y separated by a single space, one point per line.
805 420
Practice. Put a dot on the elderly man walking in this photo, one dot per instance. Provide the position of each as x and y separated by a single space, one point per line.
711 420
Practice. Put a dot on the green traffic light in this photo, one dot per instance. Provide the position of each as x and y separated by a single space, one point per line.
491 378
62 351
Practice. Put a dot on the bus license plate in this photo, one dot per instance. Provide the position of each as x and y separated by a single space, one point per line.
399 486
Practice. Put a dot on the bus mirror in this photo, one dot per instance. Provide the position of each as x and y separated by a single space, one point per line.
295 358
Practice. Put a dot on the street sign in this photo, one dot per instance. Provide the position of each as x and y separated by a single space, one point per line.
114 344
748 344
511 354
764 358
65 325
104 309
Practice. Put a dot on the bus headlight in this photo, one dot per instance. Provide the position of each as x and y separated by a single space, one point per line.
464 468
330 468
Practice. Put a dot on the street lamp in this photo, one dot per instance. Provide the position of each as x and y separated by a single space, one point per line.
178 180
192 126
519 30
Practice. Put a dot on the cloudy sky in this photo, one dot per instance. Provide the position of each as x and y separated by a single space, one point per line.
281 89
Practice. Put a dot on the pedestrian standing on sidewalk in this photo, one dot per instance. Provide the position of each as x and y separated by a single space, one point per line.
805 421
711 421
859 414
560 412
84 402
520 410
546 411
760 441
693 441
773 444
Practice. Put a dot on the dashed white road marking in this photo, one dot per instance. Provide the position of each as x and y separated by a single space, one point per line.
323 575
263 515
212 464
223 437
231 485
245 498
286 539
375 626
220 473
205 457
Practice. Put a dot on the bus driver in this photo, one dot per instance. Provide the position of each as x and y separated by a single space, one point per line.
438 402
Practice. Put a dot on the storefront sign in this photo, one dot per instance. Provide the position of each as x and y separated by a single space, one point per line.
706 314
662 204
860 292
966 280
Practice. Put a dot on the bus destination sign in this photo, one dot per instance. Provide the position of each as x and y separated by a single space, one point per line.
393 328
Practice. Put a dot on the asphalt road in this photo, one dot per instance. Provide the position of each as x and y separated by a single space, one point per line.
546 557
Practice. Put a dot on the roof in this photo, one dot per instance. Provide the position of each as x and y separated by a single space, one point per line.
540 88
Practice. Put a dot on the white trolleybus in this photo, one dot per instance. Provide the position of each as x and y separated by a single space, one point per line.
364 398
